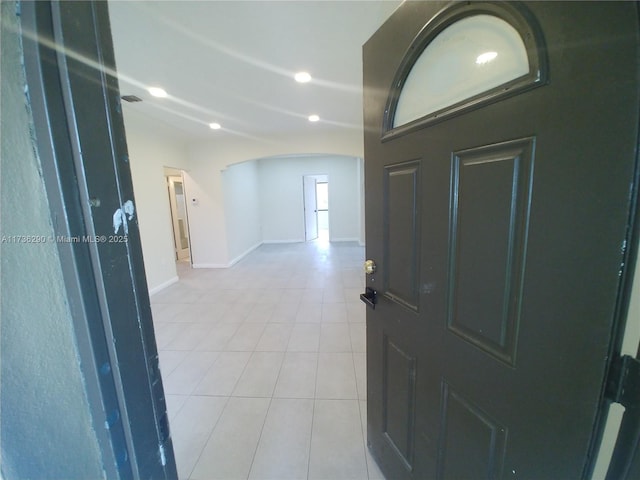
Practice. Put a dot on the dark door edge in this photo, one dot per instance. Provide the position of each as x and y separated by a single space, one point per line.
626 456
118 437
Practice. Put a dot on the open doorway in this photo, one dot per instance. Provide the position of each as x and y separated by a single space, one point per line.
322 203
315 193
177 202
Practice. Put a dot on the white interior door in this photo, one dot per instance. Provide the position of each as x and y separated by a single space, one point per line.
179 217
310 207
322 204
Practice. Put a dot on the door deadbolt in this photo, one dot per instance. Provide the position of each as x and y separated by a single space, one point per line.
369 267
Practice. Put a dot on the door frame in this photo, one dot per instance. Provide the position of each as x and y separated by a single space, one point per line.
105 281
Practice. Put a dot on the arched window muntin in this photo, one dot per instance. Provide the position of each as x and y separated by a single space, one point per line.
516 15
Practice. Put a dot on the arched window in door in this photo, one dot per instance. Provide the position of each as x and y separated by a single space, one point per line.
464 59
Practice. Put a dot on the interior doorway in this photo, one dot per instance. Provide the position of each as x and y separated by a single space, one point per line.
322 196
177 202
315 191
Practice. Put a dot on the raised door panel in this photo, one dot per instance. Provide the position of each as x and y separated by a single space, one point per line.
402 232
472 443
490 199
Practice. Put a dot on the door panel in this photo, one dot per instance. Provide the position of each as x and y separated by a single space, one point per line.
498 232
490 196
472 443
399 400
402 233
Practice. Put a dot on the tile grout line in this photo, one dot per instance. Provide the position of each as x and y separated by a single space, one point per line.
253 459
364 438
313 411
204 444
264 422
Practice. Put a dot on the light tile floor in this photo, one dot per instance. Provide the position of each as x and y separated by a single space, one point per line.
263 365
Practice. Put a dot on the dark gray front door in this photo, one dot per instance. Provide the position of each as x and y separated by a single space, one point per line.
498 221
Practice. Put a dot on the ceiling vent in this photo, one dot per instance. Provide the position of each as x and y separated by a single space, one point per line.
131 98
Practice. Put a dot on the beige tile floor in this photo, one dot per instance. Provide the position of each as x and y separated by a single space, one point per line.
263 365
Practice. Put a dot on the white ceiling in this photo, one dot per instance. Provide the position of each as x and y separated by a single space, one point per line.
232 62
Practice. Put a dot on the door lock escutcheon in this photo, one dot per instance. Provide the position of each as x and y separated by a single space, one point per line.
370 297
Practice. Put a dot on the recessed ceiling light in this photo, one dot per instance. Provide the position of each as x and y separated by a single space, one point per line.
157 92
215 126
486 57
314 118
302 77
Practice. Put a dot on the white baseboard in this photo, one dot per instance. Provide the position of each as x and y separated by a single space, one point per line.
302 240
231 263
163 285
294 240
242 255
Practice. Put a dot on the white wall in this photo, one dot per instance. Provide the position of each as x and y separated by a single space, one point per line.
241 189
238 203
242 205
153 146
281 197
208 159
229 149
207 220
